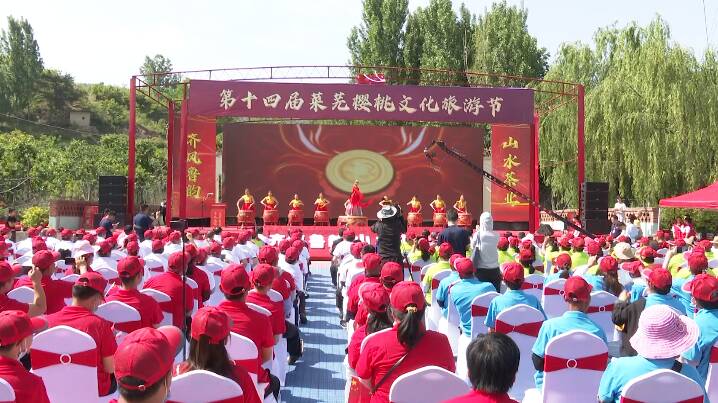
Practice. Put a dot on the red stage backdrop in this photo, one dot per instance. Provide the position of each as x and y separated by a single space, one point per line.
308 159
201 166
511 149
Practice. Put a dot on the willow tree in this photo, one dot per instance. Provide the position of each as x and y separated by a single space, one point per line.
651 110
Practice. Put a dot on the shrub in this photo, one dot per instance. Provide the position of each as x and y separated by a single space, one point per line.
35 215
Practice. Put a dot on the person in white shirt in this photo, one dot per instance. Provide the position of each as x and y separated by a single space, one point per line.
619 209
102 257
485 253
174 244
290 265
146 244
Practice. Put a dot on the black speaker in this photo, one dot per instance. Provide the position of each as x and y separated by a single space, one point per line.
594 207
112 195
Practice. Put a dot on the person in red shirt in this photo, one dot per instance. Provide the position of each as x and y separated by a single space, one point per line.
262 278
234 284
391 274
376 301
493 361
407 343
131 270
55 290
170 283
16 329
203 291
143 364
372 273
207 351
87 294
7 279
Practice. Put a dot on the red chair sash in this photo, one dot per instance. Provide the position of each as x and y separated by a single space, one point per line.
529 329
238 399
714 355
595 362
156 269
41 359
477 310
250 364
415 268
605 308
531 286
698 399
167 306
552 291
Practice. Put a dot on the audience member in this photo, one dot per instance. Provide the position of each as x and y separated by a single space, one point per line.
513 277
16 329
7 280
445 252
55 290
171 283
464 291
704 290
131 271
376 301
458 237
484 253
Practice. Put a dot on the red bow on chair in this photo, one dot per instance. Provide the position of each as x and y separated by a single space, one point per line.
605 308
698 399
156 269
529 329
595 362
434 283
477 310
42 359
531 286
714 355
250 364
552 291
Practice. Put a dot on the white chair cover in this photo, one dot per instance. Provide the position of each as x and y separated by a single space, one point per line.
201 386
479 306
533 284
600 311
70 278
712 377
23 294
433 314
160 297
553 303
7 393
427 385
662 386
242 351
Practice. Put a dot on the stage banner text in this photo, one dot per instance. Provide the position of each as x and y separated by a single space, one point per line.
511 148
201 165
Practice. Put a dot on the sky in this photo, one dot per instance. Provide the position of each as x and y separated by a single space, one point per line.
106 41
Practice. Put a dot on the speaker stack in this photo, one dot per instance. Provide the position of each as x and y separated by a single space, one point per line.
594 207
113 196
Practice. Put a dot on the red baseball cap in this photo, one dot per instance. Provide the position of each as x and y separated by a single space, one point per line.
149 234
513 272
453 259
593 248
526 255
133 248
577 289
284 244
697 261
215 247
564 242
355 249
211 322
407 293
680 243
392 271
608 263
445 250
465 268
704 287
17 325
423 245
660 277
244 236
503 243
263 275
526 244
299 244
129 267
66 233
147 354
648 252
93 280
349 234
292 254
100 230
178 261
175 236
633 267
157 245
191 250
7 272
44 259
228 243
375 297
371 262
643 241
269 255
578 242
563 260
105 247
234 279
513 241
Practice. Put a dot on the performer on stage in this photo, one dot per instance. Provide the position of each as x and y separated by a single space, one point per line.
296 204
438 205
321 203
414 205
355 204
269 202
386 201
460 205
246 202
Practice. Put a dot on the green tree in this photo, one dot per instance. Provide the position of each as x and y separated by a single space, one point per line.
53 97
504 45
20 64
443 43
413 45
154 68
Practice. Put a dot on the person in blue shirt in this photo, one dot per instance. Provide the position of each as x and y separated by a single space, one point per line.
561 268
638 283
442 293
142 222
697 264
465 290
513 277
704 289
662 336
607 277
659 289
577 293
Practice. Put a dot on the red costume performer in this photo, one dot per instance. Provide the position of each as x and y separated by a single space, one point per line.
356 204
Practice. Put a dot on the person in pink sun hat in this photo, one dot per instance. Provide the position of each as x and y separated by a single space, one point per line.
662 336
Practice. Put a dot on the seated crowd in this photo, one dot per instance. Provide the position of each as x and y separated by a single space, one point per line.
210 287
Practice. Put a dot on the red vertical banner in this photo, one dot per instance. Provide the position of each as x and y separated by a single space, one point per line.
201 165
511 161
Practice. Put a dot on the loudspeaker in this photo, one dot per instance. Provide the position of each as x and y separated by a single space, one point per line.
594 207
112 195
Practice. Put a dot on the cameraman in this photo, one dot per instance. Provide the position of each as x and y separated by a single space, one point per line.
389 228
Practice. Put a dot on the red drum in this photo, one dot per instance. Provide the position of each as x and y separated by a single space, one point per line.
295 217
414 219
245 217
321 218
464 220
270 217
440 219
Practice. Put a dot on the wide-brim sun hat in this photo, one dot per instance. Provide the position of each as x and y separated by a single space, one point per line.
386 212
623 251
664 333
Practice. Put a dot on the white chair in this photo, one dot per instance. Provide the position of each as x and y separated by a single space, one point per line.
552 298
522 324
244 353
201 386
713 263
533 285
580 270
662 386
433 314
427 385
70 278
23 294
118 312
7 393
451 324
210 278
77 353
193 285
279 365
316 241
479 309
265 312
571 373
423 271
164 300
600 311
712 377
108 273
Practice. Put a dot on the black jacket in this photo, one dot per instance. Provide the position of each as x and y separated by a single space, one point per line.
388 242
626 315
